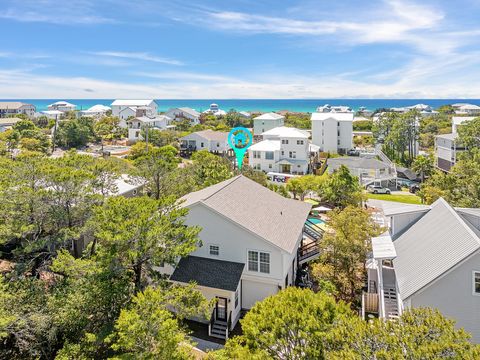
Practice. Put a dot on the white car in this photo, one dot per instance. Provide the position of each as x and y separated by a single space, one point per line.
375 189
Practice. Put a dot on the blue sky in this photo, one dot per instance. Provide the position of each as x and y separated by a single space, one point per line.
239 49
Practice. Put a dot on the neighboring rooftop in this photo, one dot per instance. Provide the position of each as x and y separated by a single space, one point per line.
213 135
213 273
11 105
339 116
9 121
284 131
266 145
434 244
132 102
190 111
357 162
267 214
269 116
98 108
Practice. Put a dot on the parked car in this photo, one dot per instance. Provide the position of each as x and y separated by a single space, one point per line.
353 152
414 188
376 189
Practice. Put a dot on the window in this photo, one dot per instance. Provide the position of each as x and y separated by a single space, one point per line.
338 133
285 141
283 152
256 155
218 144
292 154
338 124
269 155
476 283
269 166
265 263
201 144
338 142
252 261
214 250
259 261
236 298
299 142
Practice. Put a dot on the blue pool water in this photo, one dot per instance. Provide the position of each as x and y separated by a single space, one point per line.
316 221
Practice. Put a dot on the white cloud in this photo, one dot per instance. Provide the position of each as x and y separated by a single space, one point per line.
137 56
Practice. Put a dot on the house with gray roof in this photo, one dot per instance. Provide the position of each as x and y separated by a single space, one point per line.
250 240
210 140
179 114
366 169
9 108
430 257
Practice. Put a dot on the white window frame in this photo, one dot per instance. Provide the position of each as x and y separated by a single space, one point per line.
258 261
210 249
474 293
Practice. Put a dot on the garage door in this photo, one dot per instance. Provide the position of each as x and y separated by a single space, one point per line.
255 291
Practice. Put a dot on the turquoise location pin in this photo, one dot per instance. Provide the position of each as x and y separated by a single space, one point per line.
240 139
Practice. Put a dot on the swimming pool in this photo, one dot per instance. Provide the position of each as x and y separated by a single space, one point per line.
316 221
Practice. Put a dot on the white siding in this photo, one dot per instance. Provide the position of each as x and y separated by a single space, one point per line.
260 126
254 291
401 221
452 295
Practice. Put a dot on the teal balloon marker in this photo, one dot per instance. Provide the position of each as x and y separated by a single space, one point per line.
240 139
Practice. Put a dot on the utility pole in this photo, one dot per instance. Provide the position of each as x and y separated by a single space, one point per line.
146 137
54 133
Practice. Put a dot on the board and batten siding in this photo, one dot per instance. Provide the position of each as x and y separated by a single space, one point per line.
453 295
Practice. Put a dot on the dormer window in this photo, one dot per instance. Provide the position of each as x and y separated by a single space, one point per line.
214 250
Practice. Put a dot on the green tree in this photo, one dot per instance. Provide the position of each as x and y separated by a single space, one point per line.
423 165
73 133
154 165
255 175
469 134
209 169
289 325
344 251
138 233
302 185
341 188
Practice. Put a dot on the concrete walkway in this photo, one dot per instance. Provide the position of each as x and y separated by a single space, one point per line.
206 345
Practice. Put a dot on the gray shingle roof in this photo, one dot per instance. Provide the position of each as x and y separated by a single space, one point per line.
207 272
357 162
12 105
433 245
269 215
212 135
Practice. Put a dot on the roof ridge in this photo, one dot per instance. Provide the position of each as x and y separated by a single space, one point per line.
458 217
235 178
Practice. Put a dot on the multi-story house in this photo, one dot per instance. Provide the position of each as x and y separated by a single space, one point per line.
282 150
466 109
332 131
9 108
136 126
448 147
267 122
250 239
123 109
213 141
62 106
430 257
182 113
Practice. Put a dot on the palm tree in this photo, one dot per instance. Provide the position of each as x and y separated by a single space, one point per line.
423 165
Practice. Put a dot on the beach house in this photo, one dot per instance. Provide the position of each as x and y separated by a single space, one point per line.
283 150
333 131
8 123
137 126
466 109
213 141
430 257
96 111
267 122
334 108
9 108
62 106
184 113
250 238
123 109
215 110
448 147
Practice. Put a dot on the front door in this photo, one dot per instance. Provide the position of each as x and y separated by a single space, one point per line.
221 308
285 168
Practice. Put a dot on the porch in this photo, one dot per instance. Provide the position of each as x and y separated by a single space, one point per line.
217 280
381 298
309 249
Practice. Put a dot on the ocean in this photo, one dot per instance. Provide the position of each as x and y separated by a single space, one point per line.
262 105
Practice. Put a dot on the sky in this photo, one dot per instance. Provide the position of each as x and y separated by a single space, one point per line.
239 49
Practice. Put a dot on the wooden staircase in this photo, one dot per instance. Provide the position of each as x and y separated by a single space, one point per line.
391 302
219 330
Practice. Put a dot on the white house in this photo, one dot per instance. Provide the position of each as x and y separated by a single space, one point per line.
96 111
333 132
62 106
429 258
466 109
423 109
179 114
366 169
283 150
447 146
215 110
213 141
267 122
250 239
137 124
8 108
334 108
123 109
8 123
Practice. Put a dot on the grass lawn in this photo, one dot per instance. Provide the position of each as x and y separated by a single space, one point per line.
407 199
